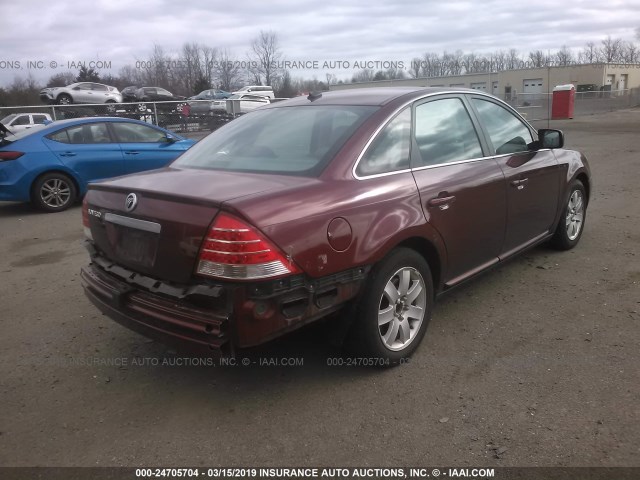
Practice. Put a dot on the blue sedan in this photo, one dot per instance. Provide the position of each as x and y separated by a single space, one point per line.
51 166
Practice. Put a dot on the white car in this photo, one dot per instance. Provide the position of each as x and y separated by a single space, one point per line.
17 122
262 90
82 92
248 103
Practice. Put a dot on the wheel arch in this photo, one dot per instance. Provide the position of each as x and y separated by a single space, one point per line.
81 191
429 252
584 179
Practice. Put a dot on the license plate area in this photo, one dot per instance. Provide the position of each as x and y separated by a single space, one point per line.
133 241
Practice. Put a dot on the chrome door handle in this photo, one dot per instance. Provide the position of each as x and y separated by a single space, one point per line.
443 203
519 184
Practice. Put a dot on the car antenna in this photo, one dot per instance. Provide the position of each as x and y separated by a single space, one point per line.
314 96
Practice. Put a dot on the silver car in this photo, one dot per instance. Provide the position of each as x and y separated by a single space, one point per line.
82 92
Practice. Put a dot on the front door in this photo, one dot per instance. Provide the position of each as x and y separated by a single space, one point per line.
532 176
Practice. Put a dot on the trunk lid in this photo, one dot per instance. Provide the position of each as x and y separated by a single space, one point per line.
161 235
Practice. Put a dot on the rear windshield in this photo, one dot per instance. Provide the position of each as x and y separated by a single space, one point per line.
289 140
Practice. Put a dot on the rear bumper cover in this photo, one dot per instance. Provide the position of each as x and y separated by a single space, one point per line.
200 331
214 320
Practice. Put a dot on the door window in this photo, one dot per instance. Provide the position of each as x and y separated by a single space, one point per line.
135 133
507 132
444 133
22 120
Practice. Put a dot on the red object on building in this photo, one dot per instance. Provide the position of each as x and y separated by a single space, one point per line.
563 102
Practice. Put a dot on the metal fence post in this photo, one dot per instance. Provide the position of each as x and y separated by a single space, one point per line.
155 114
53 112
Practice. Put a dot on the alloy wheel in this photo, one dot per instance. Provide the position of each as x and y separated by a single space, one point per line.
55 193
575 215
402 308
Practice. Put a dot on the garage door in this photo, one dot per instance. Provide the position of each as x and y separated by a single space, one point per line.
532 85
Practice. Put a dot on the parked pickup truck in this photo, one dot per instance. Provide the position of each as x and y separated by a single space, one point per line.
17 122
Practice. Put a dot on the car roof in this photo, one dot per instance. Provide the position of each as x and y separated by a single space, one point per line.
376 96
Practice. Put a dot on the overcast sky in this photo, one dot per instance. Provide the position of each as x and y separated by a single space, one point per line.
119 32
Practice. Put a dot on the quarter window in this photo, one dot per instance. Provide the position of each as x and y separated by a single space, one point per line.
390 149
444 133
507 132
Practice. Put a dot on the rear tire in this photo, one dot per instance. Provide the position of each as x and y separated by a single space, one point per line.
54 192
111 107
574 214
394 311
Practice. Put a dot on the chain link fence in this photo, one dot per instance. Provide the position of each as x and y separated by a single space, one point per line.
537 106
202 116
205 116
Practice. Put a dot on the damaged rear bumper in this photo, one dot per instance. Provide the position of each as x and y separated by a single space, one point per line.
214 320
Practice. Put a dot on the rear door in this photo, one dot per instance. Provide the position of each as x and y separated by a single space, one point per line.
87 149
143 147
461 190
532 177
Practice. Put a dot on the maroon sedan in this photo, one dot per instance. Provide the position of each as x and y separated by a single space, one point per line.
370 201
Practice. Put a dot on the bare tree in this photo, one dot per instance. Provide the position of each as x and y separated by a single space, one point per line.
227 71
130 76
564 56
156 69
364 75
630 53
589 53
611 50
196 66
266 53
414 68
512 59
538 58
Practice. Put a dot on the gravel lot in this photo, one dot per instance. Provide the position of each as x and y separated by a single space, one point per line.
534 364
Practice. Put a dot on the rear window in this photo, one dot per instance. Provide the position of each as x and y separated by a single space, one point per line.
289 140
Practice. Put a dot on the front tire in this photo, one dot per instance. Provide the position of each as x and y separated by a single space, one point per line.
54 192
394 311
64 99
571 224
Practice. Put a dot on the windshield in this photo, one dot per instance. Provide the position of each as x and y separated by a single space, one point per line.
288 140
8 118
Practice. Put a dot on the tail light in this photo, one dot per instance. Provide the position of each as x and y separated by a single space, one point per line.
236 251
10 155
85 219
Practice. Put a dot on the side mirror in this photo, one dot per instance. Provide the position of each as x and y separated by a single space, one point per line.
550 138
170 138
